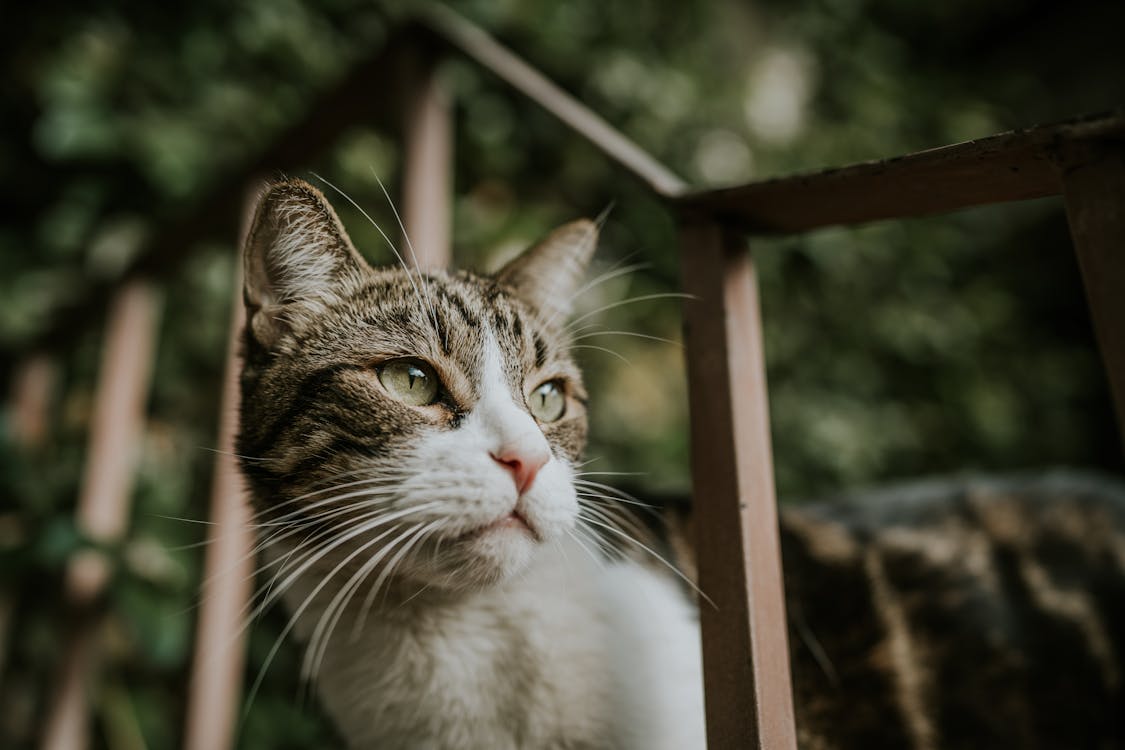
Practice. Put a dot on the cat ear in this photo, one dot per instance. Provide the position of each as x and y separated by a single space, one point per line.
548 274
297 259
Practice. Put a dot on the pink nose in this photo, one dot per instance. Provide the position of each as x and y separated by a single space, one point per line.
523 465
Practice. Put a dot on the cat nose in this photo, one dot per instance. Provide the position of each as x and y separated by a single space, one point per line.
524 464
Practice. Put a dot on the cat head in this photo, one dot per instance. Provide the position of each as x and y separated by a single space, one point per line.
425 422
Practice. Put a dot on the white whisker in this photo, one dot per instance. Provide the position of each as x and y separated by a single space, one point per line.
610 473
320 553
293 619
630 301
328 619
627 333
623 520
409 245
621 357
615 494
369 600
655 554
573 535
383 234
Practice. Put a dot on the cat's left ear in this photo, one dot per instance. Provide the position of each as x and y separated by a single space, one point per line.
548 274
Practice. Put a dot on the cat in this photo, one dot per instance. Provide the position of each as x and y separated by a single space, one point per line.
416 443
413 446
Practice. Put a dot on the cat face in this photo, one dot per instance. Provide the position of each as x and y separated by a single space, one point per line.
415 427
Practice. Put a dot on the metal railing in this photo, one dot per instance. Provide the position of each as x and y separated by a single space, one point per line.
746 658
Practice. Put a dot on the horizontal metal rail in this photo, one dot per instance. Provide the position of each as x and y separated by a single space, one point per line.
1015 166
473 42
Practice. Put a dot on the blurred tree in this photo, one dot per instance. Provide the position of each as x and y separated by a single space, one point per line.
895 349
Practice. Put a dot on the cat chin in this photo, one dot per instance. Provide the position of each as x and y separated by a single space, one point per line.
480 559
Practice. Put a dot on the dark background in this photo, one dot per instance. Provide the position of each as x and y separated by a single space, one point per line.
895 350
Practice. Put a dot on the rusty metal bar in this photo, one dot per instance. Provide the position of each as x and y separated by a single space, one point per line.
31 400
1009 167
104 502
68 722
745 644
228 570
8 600
473 42
1094 190
30 406
220 642
427 184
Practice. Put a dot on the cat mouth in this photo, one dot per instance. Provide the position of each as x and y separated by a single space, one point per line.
511 521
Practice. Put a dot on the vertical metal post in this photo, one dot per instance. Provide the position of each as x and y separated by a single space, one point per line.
745 645
8 600
31 399
220 641
427 183
104 502
30 405
1094 190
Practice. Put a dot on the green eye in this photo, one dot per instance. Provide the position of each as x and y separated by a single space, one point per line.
411 381
547 402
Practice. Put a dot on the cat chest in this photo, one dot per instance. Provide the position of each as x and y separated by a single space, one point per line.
482 679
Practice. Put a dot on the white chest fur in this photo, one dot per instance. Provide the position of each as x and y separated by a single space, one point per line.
569 655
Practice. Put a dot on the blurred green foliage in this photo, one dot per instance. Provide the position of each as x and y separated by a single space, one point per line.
895 349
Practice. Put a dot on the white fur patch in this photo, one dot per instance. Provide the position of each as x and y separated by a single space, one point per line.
572 653
457 469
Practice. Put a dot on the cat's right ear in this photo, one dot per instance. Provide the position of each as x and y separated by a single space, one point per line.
548 274
296 261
